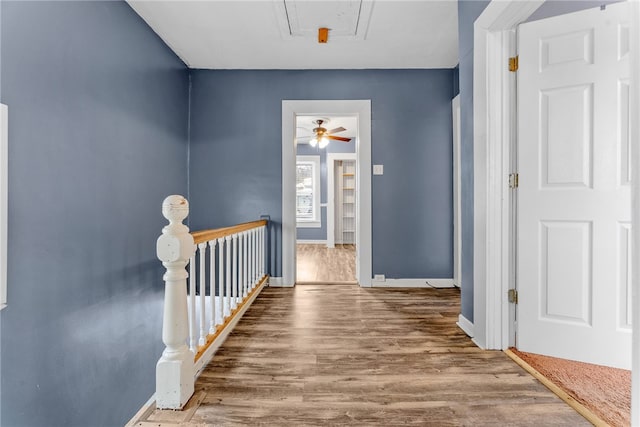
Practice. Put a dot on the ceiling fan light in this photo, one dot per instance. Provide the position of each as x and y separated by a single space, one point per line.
313 142
324 141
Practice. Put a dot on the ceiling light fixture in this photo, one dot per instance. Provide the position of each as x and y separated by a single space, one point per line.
313 142
324 141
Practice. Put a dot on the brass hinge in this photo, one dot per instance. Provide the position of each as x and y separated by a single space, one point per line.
513 296
513 180
513 64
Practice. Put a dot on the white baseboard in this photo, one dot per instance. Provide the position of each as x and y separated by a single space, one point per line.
466 326
412 283
312 242
276 282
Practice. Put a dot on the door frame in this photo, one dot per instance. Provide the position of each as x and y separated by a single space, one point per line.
362 110
492 127
331 205
491 167
457 191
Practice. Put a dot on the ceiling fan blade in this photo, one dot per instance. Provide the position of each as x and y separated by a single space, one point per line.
336 130
339 138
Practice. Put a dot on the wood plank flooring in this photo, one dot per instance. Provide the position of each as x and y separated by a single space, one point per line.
338 355
317 263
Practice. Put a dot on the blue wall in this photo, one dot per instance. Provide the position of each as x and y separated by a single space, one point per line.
236 134
307 150
97 138
468 12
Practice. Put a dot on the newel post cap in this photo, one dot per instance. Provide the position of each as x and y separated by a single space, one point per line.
175 243
175 208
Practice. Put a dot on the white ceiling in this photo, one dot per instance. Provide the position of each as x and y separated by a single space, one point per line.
282 34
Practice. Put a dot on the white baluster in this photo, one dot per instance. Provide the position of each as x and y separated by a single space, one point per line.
192 303
254 258
261 253
220 299
251 280
258 255
227 293
202 249
175 369
212 286
265 252
245 264
241 261
234 283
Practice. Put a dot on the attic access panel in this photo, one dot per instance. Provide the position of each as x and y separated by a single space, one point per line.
345 18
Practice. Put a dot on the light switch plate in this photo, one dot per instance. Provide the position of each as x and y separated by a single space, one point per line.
378 169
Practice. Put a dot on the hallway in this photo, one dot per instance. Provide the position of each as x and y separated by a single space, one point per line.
318 355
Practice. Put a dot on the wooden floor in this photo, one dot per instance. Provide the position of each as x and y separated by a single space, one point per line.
317 263
336 355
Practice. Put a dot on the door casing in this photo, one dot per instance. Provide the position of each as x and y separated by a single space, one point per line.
362 110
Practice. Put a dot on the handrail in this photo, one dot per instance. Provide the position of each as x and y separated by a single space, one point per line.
202 236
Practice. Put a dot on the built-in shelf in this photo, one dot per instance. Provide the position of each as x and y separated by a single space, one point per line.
347 192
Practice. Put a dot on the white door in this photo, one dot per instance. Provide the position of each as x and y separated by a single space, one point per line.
574 203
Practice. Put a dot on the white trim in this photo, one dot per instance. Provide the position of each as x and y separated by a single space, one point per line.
413 283
4 166
331 205
316 221
361 109
311 242
466 325
308 224
457 194
491 165
277 282
634 99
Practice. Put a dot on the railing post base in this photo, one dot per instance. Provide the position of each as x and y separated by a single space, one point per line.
174 381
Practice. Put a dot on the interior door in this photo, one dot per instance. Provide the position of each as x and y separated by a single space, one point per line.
574 201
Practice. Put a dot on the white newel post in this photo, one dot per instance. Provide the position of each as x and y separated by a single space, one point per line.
175 369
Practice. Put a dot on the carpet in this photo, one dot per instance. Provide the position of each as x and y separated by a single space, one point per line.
604 391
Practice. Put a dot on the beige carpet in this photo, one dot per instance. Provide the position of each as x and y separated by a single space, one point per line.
605 391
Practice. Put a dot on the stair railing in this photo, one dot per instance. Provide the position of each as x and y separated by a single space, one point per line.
227 271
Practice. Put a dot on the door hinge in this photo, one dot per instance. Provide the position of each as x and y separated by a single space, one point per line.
513 296
513 63
513 180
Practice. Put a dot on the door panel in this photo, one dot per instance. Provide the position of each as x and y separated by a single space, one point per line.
566 136
574 204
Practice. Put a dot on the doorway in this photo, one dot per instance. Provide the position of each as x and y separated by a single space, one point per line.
326 199
357 108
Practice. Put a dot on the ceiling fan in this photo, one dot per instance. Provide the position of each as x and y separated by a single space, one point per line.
321 135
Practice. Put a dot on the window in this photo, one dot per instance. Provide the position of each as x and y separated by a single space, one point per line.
308 191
